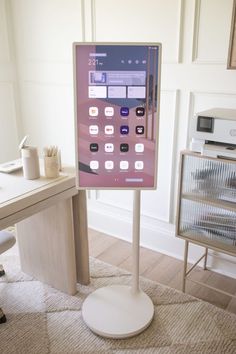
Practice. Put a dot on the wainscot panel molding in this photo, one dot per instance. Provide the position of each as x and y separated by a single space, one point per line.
210 46
153 21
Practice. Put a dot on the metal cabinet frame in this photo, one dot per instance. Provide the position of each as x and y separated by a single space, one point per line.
216 246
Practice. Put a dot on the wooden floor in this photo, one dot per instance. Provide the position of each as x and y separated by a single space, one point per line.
163 269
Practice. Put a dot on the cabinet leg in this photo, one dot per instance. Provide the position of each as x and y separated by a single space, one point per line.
185 265
205 259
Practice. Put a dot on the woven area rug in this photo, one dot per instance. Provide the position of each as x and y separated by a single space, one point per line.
44 320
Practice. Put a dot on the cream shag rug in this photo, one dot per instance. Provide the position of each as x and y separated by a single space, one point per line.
44 320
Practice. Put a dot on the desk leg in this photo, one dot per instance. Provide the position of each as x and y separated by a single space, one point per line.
81 237
46 246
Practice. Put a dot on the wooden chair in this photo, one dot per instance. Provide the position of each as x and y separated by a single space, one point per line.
7 240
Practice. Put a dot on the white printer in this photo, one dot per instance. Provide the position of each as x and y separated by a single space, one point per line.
213 133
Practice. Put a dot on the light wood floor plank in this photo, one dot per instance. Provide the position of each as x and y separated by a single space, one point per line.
148 259
99 242
116 253
219 281
164 270
232 306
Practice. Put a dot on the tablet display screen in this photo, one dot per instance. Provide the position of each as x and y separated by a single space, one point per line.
117 113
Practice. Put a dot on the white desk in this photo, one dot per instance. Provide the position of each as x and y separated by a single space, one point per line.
51 223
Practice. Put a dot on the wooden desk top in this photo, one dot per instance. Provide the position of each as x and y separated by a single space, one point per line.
17 193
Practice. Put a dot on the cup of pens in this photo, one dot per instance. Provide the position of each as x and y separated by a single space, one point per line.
51 161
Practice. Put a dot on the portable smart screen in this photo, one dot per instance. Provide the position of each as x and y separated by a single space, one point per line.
117 93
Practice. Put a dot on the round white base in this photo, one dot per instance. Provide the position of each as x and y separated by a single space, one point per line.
115 312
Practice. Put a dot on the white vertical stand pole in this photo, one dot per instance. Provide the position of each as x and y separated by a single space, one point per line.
121 311
136 240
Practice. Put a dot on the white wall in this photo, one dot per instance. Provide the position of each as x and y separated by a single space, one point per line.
195 35
8 92
44 32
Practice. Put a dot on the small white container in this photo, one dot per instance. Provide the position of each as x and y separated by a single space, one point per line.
51 166
30 162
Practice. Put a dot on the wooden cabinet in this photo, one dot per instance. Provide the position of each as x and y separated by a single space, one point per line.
207 204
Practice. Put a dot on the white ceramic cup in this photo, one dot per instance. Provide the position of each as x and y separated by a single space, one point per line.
30 162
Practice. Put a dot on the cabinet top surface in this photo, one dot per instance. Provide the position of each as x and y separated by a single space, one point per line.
197 154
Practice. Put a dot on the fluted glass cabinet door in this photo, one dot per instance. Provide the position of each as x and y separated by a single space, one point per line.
207 201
